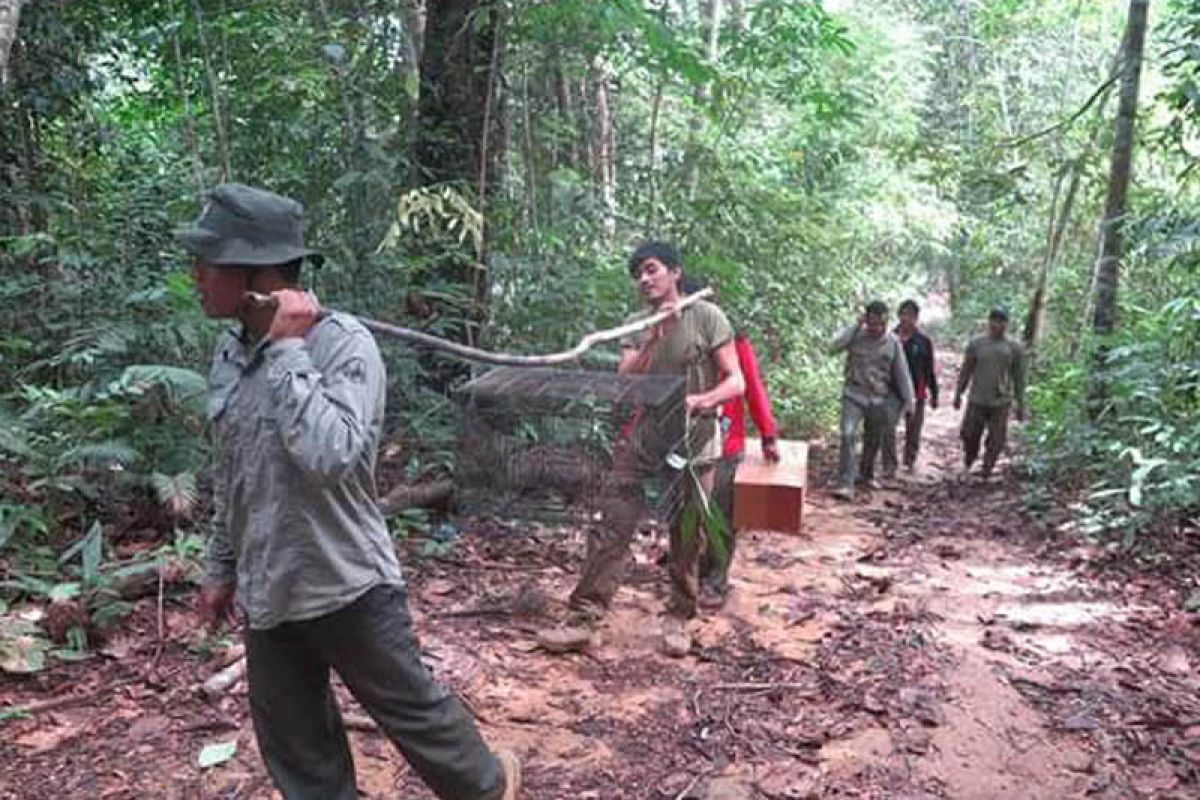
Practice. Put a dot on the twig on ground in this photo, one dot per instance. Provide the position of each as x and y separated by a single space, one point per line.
158 647
759 687
690 786
486 611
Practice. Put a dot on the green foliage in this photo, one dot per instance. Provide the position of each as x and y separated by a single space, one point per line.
814 159
1181 31
1134 458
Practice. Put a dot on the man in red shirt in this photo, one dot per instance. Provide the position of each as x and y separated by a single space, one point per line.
714 572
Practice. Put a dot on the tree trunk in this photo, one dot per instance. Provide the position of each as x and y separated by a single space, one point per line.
414 34
654 157
531 172
10 18
460 140
189 122
363 233
737 14
33 214
458 127
1035 324
1108 264
654 154
604 147
215 92
711 11
567 155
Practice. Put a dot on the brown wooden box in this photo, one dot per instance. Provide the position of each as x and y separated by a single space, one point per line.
771 496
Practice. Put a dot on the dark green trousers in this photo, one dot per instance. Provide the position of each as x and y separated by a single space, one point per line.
978 420
371 645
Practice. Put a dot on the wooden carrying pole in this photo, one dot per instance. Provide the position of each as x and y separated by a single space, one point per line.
510 359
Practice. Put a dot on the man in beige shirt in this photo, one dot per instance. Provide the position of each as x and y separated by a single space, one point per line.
876 375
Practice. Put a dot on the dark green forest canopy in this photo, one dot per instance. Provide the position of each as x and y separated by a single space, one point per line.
481 168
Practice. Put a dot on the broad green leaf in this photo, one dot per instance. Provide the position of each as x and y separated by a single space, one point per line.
218 753
65 591
93 552
22 653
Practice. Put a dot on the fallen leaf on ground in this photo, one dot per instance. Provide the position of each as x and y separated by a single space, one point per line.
217 753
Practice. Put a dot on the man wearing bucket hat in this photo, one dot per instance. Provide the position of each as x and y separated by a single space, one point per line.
994 369
296 407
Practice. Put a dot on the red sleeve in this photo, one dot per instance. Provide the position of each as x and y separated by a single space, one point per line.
756 390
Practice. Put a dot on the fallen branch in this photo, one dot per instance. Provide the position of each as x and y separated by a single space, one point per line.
56 703
436 495
137 580
224 680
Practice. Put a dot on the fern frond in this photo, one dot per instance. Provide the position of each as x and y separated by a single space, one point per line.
184 387
99 454
177 493
14 436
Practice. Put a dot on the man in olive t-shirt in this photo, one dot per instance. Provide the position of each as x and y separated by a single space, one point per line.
994 369
698 345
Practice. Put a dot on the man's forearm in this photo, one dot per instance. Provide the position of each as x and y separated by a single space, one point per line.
964 380
732 386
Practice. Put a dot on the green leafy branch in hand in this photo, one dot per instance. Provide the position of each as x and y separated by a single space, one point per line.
700 513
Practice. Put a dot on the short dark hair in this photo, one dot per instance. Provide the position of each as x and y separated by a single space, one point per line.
909 305
998 312
661 251
692 285
876 308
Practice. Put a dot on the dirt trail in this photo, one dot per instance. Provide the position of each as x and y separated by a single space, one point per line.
928 642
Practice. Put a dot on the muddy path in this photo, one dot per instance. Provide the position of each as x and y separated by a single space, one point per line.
932 640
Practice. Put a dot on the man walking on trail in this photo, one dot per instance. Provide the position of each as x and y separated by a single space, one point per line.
296 406
714 571
698 346
918 352
994 369
875 371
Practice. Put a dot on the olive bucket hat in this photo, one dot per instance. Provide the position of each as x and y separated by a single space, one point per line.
244 226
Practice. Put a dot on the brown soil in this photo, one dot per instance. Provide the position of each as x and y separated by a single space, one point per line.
927 642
